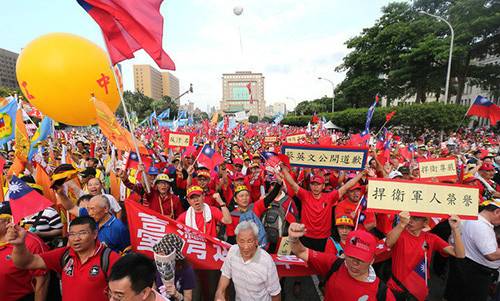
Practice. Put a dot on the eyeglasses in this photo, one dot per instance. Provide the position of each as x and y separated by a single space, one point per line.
116 296
78 234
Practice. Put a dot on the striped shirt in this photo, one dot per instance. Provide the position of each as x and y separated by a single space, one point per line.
255 279
49 220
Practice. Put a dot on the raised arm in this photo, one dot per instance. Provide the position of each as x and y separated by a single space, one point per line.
295 231
458 250
226 215
351 183
66 202
269 198
289 179
21 256
393 236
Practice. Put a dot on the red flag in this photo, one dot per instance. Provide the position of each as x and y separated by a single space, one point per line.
133 161
315 119
24 201
209 158
389 116
130 25
325 140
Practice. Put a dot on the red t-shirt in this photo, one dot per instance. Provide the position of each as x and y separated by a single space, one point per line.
341 286
346 207
16 283
330 247
317 213
209 228
258 208
167 203
80 281
408 252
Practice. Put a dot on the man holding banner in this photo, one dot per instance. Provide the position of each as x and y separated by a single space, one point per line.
412 251
317 207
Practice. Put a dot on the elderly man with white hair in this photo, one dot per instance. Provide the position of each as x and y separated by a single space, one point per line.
251 268
112 232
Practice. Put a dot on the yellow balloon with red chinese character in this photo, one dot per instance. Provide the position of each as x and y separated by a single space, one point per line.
59 73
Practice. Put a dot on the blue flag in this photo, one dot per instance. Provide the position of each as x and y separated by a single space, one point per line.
182 115
43 131
165 114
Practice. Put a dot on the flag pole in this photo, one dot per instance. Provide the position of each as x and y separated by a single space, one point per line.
381 128
125 111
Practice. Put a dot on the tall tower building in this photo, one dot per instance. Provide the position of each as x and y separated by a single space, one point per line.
148 81
243 91
170 86
8 69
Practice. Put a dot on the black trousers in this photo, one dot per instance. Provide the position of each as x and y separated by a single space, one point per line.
469 280
316 244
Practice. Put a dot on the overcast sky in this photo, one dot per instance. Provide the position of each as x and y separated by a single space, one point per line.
291 42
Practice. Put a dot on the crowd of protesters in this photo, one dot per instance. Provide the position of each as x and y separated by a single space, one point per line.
80 249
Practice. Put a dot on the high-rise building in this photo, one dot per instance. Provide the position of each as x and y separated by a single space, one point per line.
243 91
148 81
170 86
8 69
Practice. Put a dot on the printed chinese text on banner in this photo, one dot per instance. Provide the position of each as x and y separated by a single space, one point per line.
270 139
423 198
295 138
442 168
174 139
347 158
147 228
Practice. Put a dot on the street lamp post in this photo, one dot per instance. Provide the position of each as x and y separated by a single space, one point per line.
446 89
333 91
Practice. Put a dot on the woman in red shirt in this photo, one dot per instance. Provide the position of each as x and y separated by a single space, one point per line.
344 225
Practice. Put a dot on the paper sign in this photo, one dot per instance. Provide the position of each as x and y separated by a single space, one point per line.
346 158
442 168
423 198
173 139
295 138
270 139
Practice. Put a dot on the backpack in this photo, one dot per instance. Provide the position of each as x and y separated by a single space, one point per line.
382 287
249 215
274 221
104 262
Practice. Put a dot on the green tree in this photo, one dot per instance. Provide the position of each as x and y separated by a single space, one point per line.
5 91
405 53
138 103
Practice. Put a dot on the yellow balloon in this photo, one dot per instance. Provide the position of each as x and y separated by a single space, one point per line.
59 72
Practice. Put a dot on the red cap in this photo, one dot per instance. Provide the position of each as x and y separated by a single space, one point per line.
238 161
487 167
360 245
318 179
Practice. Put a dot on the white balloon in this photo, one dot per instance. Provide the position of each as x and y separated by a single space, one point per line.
238 10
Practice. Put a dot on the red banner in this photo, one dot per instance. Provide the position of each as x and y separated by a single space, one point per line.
147 227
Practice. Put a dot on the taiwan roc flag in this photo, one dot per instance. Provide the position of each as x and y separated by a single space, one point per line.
209 158
416 283
24 201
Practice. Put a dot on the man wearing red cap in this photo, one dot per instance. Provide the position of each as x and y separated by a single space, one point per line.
352 278
351 206
317 207
489 188
201 216
412 251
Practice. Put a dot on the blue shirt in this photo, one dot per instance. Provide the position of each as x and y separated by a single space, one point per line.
113 233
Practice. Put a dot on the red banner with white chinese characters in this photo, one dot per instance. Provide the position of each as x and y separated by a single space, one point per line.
147 227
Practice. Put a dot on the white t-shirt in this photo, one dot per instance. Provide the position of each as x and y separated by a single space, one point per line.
479 239
255 279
